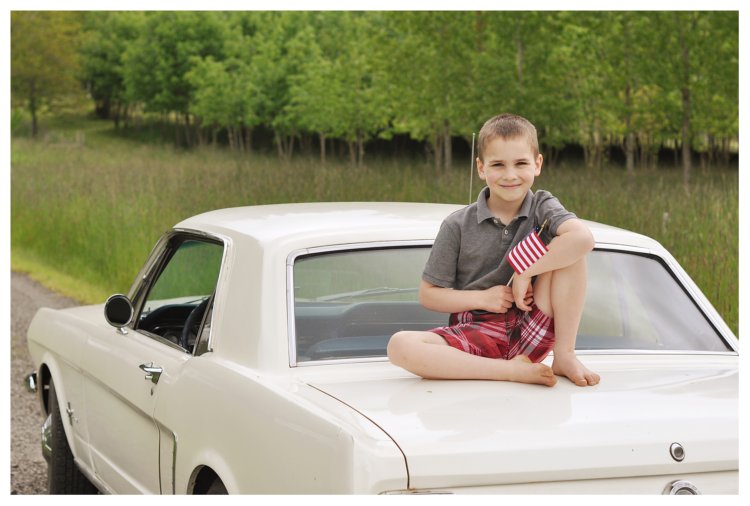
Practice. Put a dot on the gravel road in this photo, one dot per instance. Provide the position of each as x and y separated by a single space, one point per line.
28 469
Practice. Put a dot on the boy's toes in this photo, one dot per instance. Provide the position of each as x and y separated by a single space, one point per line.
547 377
575 372
592 378
578 379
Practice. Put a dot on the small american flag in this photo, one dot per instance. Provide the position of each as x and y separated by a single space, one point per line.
527 252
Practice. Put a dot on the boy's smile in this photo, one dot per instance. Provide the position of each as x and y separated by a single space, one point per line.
509 169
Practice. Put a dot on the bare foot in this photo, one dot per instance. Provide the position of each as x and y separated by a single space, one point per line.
568 365
525 371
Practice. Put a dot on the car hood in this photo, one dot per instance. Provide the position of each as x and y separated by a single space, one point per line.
473 433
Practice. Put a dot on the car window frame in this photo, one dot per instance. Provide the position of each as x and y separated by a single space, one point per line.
159 257
668 262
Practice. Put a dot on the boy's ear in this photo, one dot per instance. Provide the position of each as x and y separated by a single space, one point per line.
539 163
480 169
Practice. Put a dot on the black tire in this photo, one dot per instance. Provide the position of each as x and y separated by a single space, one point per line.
217 488
63 475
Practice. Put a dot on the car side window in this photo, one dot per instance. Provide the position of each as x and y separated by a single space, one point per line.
181 295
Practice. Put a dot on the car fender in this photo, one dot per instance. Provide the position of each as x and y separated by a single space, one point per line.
53 347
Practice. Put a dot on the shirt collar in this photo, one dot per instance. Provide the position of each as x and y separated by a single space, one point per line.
483 211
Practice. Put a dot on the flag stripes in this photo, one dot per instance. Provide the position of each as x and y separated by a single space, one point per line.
527 252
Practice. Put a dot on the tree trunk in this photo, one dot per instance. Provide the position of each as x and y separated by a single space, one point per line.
116 116
519 53
447 146
352 152
686 103
437 150
479 24
230 138
629 135
33 110
248 139
188 133
322 138
240 139
360 148
285 146
630 153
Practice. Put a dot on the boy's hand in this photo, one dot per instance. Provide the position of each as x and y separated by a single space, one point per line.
523 292
497 299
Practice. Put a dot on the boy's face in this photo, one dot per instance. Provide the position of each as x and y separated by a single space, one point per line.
509 168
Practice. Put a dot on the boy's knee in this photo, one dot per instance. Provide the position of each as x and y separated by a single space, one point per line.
396 345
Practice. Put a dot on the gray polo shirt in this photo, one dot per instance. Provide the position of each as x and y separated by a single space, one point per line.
471 246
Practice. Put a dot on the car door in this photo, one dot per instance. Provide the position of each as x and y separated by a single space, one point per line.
126 366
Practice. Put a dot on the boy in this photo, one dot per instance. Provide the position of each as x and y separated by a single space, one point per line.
467 275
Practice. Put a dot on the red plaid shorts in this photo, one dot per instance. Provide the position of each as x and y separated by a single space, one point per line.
501 335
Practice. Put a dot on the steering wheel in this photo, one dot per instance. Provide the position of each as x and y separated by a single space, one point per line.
193 320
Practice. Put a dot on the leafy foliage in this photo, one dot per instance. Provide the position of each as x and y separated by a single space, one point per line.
633 82
43 59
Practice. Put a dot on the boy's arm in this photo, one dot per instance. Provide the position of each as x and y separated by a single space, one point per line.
496 299
573 241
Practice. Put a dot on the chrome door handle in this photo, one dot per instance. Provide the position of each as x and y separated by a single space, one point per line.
152 372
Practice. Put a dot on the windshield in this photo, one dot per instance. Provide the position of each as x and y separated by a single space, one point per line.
348 304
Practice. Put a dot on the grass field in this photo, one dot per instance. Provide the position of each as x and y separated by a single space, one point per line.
87 205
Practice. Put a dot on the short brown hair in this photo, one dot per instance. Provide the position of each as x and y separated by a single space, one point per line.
507 126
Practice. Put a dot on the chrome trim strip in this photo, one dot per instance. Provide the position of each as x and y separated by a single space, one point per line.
627 351
342 361
290 259
174 462
223 273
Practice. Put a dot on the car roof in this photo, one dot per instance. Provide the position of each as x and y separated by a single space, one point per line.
345 222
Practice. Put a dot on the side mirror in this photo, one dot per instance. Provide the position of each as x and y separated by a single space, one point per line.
118 310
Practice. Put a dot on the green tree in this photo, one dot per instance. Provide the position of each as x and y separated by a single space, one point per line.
224 97
338 93
716 86
699 74
44 61
427 57
156 63
105 39
520 71
271 69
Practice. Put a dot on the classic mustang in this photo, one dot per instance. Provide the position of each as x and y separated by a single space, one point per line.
249 357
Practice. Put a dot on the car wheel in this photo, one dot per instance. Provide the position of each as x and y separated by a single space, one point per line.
217 488
63 475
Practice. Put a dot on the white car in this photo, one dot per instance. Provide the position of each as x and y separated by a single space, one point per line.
249 357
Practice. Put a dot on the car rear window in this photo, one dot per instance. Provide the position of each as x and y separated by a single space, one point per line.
347 304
